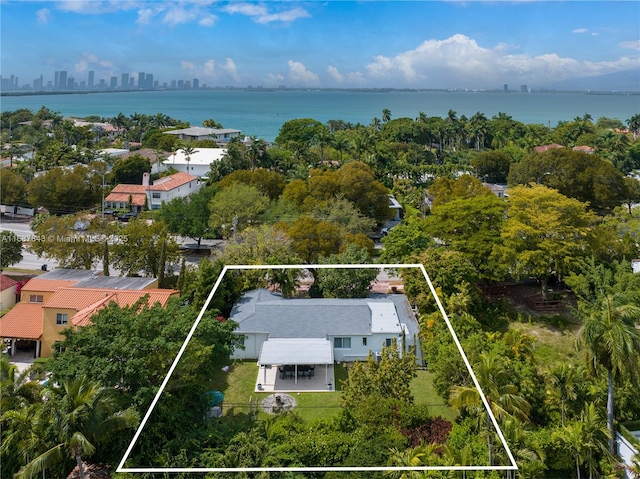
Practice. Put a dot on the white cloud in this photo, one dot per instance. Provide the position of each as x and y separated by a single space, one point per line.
210 67
177 12
91 61
335 74
260 13
580 30
459 62
299 75
187 65
208 20
631 45
144 16
230 67
94 7
43 16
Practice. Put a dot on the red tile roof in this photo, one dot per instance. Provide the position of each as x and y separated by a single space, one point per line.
23 321
540 149
137 199
6 282
48 285
171 182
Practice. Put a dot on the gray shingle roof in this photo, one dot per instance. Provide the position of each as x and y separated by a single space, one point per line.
263 311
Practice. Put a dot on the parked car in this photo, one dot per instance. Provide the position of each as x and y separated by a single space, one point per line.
126 217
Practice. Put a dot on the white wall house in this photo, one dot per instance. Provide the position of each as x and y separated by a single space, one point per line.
162 190
354 327
199 162
194 133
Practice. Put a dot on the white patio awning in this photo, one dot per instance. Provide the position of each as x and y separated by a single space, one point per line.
292 351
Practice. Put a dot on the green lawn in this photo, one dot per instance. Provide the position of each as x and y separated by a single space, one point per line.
424 393
238 386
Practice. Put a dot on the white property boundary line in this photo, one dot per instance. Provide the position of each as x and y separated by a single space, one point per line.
122 468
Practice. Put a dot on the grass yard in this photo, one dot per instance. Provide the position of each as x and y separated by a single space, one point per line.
424 393
553 345
238 386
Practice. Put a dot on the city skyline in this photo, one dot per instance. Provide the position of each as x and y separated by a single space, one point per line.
333 44
62 80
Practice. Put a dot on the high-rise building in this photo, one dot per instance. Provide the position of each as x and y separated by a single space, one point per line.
56 81
141 80
71 83
148 81
62 80
196 83
505 87
91 79
524 89
114 83
124 81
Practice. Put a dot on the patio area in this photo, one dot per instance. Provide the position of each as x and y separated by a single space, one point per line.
269 379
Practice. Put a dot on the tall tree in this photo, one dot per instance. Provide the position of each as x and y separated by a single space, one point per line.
10 249
85 415
502 396
545 233
611 340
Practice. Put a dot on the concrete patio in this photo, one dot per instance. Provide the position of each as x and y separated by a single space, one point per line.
270 381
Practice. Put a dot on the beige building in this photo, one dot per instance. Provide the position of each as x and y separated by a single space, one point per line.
69 298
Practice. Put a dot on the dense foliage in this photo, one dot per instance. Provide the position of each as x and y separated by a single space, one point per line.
558 383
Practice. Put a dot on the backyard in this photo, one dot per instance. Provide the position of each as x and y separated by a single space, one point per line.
238 385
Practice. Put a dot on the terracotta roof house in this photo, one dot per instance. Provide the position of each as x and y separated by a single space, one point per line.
49 304
584 149
178 185
542 149
8 289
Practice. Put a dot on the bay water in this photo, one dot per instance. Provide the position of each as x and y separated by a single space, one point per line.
261 112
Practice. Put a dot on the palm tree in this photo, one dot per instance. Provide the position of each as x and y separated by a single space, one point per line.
563 381
503 397
386 115
610 339
188 151
83 417
17 389
422 455
634 125
525 451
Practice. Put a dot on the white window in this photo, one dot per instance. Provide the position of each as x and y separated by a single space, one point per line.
36 298
342 343
61 319
155 195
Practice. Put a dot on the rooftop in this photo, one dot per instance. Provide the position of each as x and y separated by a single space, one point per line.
23 321
262 311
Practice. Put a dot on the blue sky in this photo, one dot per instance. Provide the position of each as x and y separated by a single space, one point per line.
415 44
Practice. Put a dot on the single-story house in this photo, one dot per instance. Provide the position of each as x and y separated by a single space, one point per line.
198 163
178 185
194 133
63 298
281 331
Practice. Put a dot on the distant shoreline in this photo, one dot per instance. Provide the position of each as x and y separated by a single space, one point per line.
349 90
